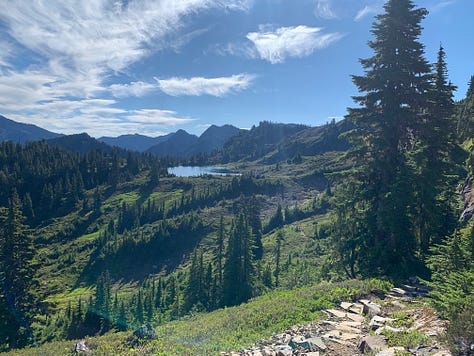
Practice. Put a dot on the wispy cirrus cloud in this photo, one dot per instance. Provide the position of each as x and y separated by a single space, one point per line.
81 45
340 9
104 34
367 11
324 10
275 46
136 89
6 51
164 118
197 86
434 8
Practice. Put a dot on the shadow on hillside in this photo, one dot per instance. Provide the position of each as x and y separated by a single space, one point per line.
144 252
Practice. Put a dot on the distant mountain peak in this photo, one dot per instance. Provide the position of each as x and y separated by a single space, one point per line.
20 132
184 144
81 142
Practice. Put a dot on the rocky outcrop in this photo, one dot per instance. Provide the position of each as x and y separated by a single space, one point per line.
362 327
82 348
468 198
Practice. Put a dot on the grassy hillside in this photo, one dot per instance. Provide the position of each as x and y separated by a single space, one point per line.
229 328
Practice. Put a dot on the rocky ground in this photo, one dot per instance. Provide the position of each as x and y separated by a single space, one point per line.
397 323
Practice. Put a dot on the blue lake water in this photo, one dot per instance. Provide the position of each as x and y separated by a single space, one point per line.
190 171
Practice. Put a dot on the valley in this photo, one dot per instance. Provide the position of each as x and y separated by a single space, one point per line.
354 236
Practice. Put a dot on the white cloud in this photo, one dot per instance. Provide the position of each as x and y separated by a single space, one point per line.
285 42
6 51
366 11
340 9
324 10
197 86
99 118
100 33
136 89
240 49
78 46
181 40
158 117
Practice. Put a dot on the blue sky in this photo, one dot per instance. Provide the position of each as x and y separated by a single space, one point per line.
111 67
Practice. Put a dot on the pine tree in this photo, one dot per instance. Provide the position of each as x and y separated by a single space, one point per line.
452 269
465 125
220 258
139 314
194 286
349 229
435 133
238 266
102 301
277 270
16 275
394 91
252 211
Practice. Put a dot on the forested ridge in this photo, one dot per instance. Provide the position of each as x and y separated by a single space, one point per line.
106 241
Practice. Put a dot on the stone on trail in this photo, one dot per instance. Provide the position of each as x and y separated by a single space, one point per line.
398 304
284 350
355 317
318 342
357 308
388 328
347 329
336 313
391 351
335 335
346 305
378 321
352 324
310 344
398 292
370 308
372 343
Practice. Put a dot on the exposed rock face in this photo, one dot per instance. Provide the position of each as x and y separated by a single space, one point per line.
82 348
468 198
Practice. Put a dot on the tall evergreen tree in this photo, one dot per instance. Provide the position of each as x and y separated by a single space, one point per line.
253 216
194 286
394 90
465 125
435 132
277 270
102 301
220 258
16 275
238 266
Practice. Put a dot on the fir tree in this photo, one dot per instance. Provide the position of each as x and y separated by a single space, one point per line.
102 301
238 267
277 270
432 156
16 275
394 91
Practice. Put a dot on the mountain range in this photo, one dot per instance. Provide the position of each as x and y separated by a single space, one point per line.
176 144
271 142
